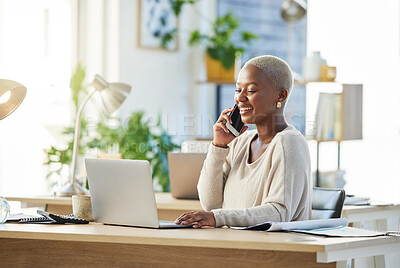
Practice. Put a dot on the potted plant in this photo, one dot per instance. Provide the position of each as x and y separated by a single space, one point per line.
138 139
221 50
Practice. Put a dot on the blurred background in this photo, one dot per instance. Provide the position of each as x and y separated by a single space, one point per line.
56 47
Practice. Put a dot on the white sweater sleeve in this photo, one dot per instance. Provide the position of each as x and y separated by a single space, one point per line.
212 179
289 195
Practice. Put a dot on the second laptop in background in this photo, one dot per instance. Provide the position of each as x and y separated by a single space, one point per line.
184 173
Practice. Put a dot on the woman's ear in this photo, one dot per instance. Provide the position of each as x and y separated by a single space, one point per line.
282 95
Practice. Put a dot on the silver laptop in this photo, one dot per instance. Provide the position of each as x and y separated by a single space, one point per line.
184 173
122 193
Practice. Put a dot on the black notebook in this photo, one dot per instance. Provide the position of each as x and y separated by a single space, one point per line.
45 217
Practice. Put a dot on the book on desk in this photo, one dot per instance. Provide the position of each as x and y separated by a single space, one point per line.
46 217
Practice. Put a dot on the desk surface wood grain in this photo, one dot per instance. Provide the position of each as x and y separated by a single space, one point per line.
205 237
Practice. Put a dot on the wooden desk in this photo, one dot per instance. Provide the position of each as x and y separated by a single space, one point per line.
168 207
383 218
24 245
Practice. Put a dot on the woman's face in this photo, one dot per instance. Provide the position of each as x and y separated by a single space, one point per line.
255 95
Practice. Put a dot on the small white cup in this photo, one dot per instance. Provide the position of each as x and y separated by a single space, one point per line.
82 207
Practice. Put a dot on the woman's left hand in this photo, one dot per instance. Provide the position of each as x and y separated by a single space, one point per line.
197 218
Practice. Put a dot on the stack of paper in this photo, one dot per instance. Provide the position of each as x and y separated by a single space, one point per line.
324 227
297 225
341 231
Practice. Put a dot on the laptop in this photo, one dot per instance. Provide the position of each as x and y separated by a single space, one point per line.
122 193
184 173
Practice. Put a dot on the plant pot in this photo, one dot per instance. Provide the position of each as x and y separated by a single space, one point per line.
217 73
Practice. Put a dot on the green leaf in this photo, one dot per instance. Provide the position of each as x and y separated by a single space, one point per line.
167 38
194 38
177 5
248 37
226 25
76 84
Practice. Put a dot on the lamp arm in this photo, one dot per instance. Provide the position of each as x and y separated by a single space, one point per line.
76 136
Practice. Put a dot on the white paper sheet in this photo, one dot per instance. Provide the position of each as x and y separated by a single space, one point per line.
341 231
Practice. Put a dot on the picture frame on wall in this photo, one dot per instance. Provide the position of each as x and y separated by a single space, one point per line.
156 17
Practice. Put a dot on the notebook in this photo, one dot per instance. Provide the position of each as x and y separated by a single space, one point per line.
45 217
184 173
122 193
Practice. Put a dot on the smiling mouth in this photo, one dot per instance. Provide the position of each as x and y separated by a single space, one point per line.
245 109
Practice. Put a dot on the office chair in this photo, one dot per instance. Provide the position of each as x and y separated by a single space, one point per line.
327 203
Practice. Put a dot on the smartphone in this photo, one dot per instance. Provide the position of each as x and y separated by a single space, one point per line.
237 125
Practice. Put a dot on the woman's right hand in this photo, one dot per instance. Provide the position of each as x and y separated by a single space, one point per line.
222 136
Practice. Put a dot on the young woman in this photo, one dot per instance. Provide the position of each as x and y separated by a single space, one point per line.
264 174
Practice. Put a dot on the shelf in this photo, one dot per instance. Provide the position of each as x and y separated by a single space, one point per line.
218 82
305 83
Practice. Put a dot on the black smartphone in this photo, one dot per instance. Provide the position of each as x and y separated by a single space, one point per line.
237 125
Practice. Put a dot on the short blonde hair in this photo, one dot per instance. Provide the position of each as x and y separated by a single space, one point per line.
276 69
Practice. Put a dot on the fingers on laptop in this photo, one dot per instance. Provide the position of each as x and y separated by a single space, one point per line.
185 217
197 218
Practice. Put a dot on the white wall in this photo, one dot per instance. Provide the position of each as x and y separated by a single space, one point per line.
165 81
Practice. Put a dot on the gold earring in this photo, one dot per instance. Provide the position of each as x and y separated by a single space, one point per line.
278 104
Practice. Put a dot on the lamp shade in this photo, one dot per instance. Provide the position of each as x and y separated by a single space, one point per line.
112 94
17 94
293 10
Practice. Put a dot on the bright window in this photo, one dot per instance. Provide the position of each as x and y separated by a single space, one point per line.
361 38
35 50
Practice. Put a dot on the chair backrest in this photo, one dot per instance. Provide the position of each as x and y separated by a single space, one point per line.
327 203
